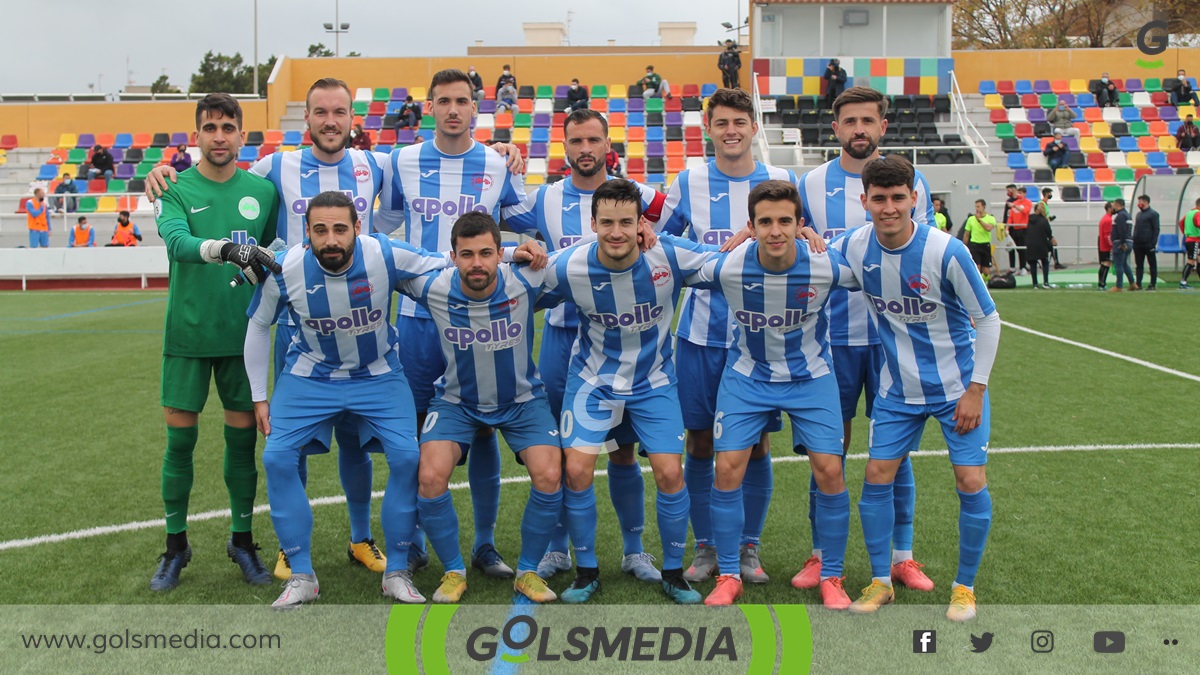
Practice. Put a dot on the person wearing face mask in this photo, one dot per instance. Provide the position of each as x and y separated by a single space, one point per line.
577 97
1062 119
1183 92
476 85
506 79
67 186
1106 91
182 160
126 233
653 85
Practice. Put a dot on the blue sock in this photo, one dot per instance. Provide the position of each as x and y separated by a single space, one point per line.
728 519
581 523
559 541
541 512
812 512
877 512
483 473
303 470
757 486
441 526
698 476
290 511
627 490
398 514
974 521
354 468
905 499
418 540
833 519
673 526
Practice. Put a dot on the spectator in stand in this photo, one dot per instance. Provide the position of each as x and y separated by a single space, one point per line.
1106 92
1187 137
102 163
653 85
37 219
1104 245
1061 118
1145 243
1039 239
836 77
1190 223
360 139
978 229
506 79
577 97
729 63
476 85
1184 91
1019 209
82 235
421 139
506 98
1047 195
126 233
612 163
182 160
1122 243
1056 152
940 217
409 115
65 187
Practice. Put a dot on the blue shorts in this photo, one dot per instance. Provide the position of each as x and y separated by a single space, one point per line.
593 414
304 409
745 406
39 238
896 429
421 357
857 369
554 359
700 369
524 425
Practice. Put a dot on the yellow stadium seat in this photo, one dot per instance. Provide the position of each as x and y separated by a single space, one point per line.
1064 175
618 91
534 179
1185 110
557 151
286 148
107 205
521 135
1167 144
68 141
993 101
1136 160
418 94
1078 86
72 169
1101 130
635 149
616 134
1089 144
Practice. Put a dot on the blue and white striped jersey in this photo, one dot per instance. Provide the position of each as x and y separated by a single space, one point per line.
341 319
624 317
781 332
562 214
925 295
711 207
430 189
488 344
832 204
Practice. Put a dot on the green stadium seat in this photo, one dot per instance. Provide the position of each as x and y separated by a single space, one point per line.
77 156
152 155
1139 129
654 105
361 107
1005 130
599 91
1153 85
382 94
1048 100
87 205
1125 99
143 170
1124 175
522 121
427 123
545 91
117 186
1112 192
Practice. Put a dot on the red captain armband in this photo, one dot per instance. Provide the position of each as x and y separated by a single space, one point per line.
653 212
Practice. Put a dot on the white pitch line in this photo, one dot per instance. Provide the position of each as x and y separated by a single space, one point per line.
325 501
1115 355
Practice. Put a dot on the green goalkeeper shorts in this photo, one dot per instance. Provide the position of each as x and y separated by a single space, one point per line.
185 382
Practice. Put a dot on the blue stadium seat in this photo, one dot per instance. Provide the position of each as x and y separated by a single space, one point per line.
1127 144
1016 160
987 87
123 141
635 119
1085 101
48 172
1024 87
1085 176
1168 243
1030 145
654 134
293 137
540 135
1156 160
393 107
1131 114
1033 193
708 90
249 153
616 105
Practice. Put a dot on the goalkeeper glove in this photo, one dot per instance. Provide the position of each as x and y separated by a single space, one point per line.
254 261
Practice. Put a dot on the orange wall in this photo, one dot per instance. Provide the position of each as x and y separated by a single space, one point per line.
40 124
1065 64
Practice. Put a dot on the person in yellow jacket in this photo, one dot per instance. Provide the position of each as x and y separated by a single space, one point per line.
37 218
979 228
126 234
82 235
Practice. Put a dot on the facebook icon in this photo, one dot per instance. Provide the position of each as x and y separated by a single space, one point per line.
924 641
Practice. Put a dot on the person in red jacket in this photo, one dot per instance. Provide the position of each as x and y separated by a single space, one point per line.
1104 243
1019 208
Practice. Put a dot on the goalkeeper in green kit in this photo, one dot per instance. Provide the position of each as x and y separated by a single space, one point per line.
217 213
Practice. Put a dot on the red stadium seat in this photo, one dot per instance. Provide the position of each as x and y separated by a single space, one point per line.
691 90
1149 114
97 186
1060 87
1093 114
142 141
1095 160
387 136
1104 176
1030 101
1177 160
999 116
1160 98
1159 128
274 137
1148 144
106 140
693 134
8 142
1137 175
635 165
1023 130
1005 87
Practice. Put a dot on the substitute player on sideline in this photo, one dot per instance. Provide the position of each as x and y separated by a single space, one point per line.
940 331
561 213
212 206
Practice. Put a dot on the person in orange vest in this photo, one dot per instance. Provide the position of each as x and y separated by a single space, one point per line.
82 234
37 217
126 234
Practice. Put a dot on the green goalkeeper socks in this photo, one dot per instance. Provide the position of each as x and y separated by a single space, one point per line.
241 475
177 476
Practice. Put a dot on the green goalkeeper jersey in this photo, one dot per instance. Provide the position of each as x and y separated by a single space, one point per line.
205 316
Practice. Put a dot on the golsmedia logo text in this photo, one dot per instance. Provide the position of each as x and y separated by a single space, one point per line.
626 643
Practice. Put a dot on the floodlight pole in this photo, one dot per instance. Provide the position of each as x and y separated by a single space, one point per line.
256 47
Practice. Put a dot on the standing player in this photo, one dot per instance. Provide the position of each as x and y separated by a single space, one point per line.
211 208
484 312
940 331
621 373
780 359
832 204
432 184
1191 242
561 213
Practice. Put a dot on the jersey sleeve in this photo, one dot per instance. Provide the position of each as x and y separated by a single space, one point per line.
707 276
270 227
923 210
652 203
966 283
674 218
171 216
555 289
263 166
691 256
842 276
514 189
522 218
417 288
390 215
410 262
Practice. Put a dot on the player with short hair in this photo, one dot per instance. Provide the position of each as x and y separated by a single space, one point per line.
940 331
484 311
432 185
560 212
621 373
776 290
217 213
1191 242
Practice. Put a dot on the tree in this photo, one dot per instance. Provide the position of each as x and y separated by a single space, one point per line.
319 51
162 86
1049 24
218 72
353 54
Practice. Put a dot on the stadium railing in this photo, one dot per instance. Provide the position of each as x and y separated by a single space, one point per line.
966 128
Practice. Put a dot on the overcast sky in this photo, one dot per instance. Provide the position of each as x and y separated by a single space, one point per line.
65 45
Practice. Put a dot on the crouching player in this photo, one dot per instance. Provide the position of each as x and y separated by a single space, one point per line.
926 292
776 289
484 312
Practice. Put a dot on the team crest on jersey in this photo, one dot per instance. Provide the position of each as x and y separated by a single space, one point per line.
512 304
918 283
482 181
661 275
808 293
360 289
249 208
362 173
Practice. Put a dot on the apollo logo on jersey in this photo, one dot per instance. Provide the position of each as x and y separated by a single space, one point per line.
300 206
643 317
569 240
716 237
242 237
358 322
906 310
832 232
499 334
432 207
787 322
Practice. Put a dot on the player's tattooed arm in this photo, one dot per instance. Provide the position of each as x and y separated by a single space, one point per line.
516 163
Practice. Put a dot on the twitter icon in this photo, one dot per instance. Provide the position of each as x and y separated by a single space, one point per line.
981 644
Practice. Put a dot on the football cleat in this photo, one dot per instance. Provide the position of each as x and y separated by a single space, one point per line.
873 597
908 573
833 596
962 604
581 590
751 564
488 561
703 566
677 589
253 570
641 566
297 590
810 575
534 587
399 587
552 563
283 567
728 590
170 564
368 555
417 559
451 590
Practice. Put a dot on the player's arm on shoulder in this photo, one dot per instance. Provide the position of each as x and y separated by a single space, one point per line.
843 277
522 217
512 157
529 252
389 217
689 255
410 261
270 232
417 288
674 218
816 243
653 202
159 179
707 276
